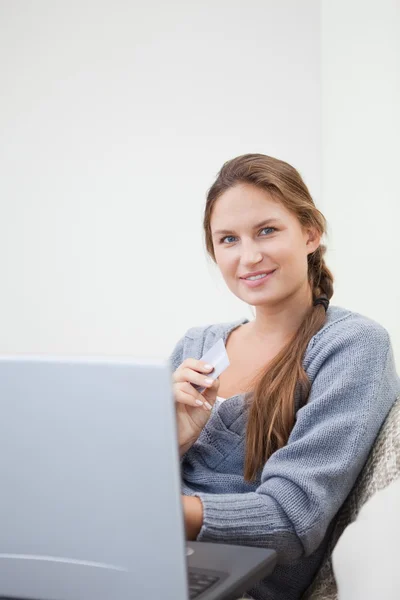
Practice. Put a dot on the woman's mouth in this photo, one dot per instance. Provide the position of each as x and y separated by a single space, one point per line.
257 279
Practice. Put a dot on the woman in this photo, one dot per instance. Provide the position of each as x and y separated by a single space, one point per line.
306 392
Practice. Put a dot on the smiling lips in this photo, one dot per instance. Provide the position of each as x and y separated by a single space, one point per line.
257 278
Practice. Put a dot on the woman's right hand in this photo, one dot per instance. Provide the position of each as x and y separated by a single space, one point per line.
192 408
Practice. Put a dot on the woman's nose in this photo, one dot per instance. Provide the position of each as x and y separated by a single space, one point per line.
251 254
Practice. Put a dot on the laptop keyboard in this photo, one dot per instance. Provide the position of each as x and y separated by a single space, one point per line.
199 583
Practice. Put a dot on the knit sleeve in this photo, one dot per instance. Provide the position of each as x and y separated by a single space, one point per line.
303 484
176 356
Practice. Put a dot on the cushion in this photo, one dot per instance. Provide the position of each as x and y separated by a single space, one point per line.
381 468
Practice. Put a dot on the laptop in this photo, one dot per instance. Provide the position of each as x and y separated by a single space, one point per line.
90 501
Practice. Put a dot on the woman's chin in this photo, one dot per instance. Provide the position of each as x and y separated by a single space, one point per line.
260 299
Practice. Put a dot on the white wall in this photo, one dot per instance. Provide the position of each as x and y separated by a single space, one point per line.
361 157
114 119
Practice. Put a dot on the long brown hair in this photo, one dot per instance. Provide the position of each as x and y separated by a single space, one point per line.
272 408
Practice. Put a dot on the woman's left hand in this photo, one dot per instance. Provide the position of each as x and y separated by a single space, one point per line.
193 516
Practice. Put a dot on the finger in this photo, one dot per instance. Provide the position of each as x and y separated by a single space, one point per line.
197 365
184 397
198 399
183 389
211 394
215 385
187 374
212 390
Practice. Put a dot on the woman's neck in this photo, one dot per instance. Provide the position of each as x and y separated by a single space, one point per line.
283 319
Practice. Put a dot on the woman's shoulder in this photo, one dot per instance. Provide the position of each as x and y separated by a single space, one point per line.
351 368
343 324
348 339
344 330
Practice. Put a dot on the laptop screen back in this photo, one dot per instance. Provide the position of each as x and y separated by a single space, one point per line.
90 486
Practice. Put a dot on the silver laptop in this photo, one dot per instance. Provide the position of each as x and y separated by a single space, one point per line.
90 504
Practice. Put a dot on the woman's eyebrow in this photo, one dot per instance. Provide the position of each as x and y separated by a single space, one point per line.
263 223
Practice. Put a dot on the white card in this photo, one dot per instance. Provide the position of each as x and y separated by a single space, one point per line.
218 358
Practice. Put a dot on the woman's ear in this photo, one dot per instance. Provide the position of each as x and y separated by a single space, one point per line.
313 240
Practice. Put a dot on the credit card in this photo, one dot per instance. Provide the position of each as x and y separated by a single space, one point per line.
218 358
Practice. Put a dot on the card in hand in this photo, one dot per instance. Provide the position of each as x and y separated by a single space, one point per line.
218 358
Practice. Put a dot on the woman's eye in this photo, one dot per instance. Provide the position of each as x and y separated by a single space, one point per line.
268 230
228 239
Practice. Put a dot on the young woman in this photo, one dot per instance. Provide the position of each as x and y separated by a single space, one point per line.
272 460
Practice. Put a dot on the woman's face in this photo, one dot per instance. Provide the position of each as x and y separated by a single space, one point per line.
260 247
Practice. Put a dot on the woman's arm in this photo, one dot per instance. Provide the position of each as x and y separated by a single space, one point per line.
193 516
